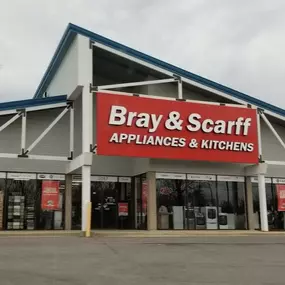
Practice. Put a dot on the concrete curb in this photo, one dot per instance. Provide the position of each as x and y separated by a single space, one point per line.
139 234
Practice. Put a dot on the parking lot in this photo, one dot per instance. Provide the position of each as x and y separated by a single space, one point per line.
189 260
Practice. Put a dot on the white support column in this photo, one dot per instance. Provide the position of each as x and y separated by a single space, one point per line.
85 62
86 181
262 202
151 202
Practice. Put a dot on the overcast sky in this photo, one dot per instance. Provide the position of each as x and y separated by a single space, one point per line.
240 44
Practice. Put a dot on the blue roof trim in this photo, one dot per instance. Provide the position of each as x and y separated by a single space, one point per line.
22 104
72 30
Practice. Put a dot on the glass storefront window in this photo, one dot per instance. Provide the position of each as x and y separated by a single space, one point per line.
22 201
76 202
111 198
202 202
275 218
2 198
171 197
140 193
51 217
231 196
197 202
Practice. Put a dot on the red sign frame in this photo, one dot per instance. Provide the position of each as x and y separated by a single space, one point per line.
280 189
50 195
169 129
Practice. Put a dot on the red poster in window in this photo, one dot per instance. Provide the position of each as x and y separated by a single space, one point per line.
50 195
280 188
144 196
123 209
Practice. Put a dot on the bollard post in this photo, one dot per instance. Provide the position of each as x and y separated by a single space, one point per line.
88 219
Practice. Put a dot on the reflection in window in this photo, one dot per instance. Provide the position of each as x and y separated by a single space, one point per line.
202 201
52 219
275 218
23 198
170 203
2 188
232 205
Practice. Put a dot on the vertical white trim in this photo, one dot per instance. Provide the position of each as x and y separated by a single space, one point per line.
262 203
24 131
91 119
71 130
259 136
86 195
85 78
180 89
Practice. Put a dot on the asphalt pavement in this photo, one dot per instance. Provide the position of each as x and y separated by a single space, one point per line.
205 260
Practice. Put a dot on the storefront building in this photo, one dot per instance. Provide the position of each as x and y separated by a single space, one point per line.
151 146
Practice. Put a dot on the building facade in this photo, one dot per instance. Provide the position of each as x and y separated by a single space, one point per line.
51 165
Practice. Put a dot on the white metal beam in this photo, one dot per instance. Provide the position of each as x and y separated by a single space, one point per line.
186 80
43 134
32 109
34 157
48 157
278 163
8 155
139 83
272 129
9 122
171 98
163 71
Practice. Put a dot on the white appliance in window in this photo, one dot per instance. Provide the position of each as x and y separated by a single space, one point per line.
178 217
189 218
223 221
211 216
200 221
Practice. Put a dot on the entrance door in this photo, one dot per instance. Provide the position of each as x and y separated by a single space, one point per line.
104 203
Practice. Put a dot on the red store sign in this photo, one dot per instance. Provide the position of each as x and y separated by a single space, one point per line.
157 128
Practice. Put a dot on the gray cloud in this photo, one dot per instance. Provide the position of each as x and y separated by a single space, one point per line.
237 43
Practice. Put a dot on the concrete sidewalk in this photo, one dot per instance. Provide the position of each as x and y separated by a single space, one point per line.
139 234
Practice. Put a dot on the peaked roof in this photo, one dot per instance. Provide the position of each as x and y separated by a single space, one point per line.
72 30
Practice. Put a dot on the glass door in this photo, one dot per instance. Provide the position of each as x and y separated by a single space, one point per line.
202 202
104 198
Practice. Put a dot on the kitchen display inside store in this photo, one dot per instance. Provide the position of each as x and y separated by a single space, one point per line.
196 202
22 198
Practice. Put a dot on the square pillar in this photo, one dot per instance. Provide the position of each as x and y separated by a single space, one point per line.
249 204
86 196
151 202
262 203
68 202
